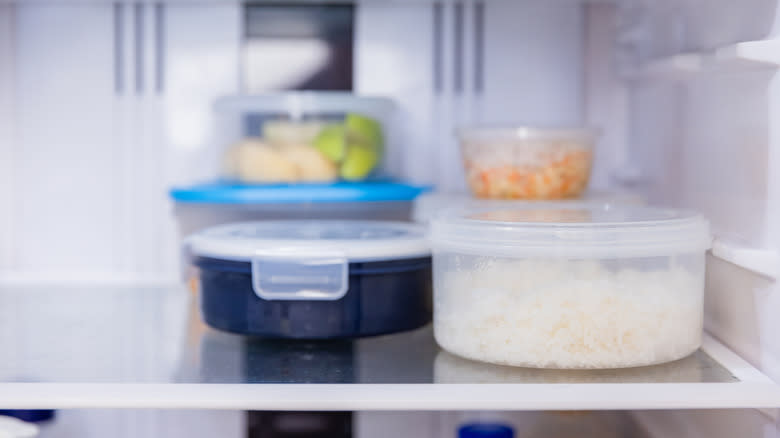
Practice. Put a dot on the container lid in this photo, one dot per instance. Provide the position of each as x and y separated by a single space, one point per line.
308 260
525 133
596 231
485 430
244 194
298 103
428 205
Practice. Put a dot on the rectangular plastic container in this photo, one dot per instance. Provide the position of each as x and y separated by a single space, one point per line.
585 287
303 136
313 279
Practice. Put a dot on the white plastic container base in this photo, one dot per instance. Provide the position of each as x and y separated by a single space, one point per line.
575 288
13 428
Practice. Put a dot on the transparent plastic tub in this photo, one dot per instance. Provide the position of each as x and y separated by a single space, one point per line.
573 288
303 137
527 163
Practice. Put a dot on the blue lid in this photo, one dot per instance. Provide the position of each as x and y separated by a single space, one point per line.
234 193
485 430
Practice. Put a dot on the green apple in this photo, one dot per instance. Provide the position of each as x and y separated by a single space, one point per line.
365 130
359 162
332 142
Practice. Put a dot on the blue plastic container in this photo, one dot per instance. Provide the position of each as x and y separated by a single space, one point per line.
485 430
314 279
29 415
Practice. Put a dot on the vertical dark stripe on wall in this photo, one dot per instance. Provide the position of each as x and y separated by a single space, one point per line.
458 48
438 16
139 47
479 46
159 48
119 65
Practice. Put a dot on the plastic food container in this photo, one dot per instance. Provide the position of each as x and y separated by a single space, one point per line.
303 136
527 163
588 287
206 205
313 279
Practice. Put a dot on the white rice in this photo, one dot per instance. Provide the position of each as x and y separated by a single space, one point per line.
567 314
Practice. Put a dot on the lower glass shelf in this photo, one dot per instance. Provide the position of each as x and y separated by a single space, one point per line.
146 347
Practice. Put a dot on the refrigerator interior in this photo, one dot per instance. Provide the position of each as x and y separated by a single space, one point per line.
105 105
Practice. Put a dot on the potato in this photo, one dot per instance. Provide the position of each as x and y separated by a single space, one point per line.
312 165
257 162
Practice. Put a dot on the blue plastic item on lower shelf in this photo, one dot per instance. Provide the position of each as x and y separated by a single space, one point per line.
29 415
485 430
236 193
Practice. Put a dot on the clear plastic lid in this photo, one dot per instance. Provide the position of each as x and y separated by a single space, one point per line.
308 260
596 231
428 205
356 240
585 135
304 102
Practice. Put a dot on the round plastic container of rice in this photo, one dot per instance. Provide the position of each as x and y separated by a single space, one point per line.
585 287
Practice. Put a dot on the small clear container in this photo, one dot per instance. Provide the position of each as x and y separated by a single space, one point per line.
575 288
303 137
313 279
527 163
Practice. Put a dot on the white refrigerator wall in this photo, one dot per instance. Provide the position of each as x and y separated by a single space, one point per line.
704 125
109 104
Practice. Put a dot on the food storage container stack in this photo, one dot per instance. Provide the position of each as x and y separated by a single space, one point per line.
299 155
313 279
585 287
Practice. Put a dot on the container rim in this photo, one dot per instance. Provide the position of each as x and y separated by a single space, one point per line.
643 231
527 132
371 241
304 102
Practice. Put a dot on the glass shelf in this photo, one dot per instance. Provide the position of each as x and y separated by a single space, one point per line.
146 347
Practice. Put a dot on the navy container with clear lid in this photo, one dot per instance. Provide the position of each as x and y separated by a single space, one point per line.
313 279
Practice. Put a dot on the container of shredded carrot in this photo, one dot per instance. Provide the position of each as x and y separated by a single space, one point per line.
527 163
